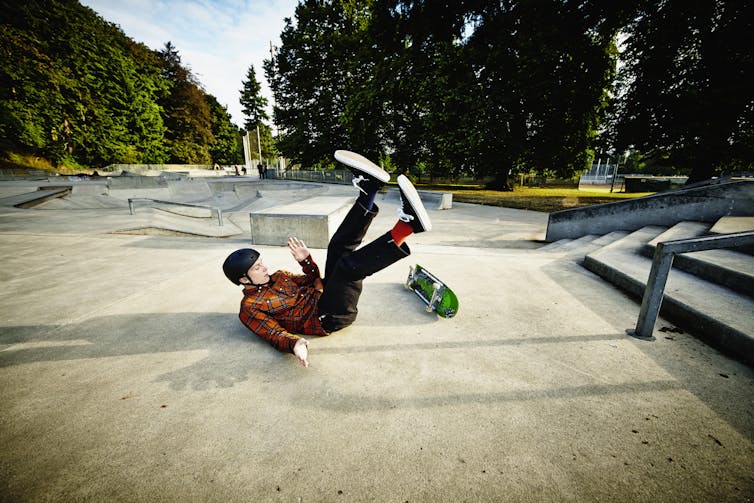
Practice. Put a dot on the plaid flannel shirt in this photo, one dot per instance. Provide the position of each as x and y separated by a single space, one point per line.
285 306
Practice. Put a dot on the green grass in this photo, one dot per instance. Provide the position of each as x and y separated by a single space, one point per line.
545 199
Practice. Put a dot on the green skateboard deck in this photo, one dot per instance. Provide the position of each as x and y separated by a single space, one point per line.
433 292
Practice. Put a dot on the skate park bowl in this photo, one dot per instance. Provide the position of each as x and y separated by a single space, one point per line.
266 211
217 207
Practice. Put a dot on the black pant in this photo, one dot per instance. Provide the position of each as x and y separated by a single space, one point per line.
347 267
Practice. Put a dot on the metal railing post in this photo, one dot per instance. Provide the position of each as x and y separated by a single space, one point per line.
652 299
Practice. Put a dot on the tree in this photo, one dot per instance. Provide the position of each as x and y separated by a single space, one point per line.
466 86
252 101
254 109
544 69
421 85
687 87
186 113
224 149
75 88
310 79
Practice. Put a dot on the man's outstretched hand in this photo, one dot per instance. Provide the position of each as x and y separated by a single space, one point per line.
301 351
298 249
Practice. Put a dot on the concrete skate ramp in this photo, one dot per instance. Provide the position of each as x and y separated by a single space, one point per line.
123 187
85 196
188 190
85 202
255 196
165 223
234 197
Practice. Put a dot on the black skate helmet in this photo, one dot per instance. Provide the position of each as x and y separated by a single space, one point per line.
238 263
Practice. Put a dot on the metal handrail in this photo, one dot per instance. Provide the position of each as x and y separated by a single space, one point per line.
334 176
213 209
661 264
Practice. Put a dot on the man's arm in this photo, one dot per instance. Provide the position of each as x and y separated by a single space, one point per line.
302 255
301 350
298 249
266 327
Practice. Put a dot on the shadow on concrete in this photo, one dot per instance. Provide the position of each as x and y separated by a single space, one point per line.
233 353
346 402
468 344
708 374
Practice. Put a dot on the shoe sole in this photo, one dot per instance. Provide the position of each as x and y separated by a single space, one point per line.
363 164
408 190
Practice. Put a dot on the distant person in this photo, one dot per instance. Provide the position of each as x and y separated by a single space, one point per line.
260 168
243 170
236 169
279 305
265 171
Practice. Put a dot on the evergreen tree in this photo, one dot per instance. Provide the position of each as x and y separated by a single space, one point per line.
254 109
252 102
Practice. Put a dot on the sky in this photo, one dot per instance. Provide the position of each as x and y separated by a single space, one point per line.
216 39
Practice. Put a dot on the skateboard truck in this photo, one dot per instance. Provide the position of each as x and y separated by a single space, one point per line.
435 297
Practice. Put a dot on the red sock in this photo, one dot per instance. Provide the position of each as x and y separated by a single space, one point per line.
401 231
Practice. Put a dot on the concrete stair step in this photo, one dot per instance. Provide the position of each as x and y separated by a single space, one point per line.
555 245
577 244
681 230
727 267
610 237
582 246
729 225
719 315
633 241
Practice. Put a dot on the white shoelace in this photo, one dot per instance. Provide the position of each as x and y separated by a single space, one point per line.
356 181
403 216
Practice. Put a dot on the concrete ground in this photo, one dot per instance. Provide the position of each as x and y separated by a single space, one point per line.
125 375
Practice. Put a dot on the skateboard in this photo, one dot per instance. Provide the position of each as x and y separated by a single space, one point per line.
433 292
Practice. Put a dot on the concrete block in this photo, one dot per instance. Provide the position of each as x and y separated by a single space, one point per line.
432 200
313 220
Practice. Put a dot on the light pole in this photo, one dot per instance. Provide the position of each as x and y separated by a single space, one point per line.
281 159
259 144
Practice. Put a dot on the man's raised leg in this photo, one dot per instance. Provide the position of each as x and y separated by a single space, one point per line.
338 304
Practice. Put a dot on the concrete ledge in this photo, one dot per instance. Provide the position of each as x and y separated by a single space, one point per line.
432 200
31 199
705 203
312 220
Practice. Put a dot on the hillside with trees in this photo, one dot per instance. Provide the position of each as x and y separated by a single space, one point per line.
76 90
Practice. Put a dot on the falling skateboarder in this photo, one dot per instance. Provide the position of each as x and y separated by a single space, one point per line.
281 306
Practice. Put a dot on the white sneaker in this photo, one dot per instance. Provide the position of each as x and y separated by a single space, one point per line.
362 167
412 210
